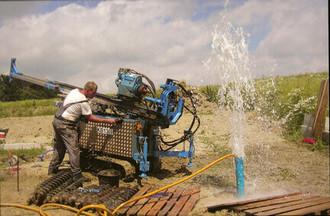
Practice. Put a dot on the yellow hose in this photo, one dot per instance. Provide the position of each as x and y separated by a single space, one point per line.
173 184
102 207
66 207
103 213
23 207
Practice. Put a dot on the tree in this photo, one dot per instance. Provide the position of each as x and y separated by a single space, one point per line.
12 90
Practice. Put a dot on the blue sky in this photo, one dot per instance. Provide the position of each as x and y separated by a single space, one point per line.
75 41
53 5
203 11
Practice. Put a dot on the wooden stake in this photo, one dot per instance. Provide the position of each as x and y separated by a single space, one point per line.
320 114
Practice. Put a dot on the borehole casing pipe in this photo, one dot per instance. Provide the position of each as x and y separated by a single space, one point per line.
239 165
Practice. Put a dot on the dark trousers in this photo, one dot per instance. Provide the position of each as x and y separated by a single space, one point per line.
66 138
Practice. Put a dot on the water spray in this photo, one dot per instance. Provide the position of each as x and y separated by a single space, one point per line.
230 65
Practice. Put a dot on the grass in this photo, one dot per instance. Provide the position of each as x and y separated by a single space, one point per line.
294 93
285 174
211 92
28 108
281 97
214 142
309 83
294 136
320 146
25 153
206 112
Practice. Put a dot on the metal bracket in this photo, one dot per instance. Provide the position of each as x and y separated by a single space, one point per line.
142 157
183 154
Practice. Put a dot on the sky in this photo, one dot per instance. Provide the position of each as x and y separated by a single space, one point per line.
77 41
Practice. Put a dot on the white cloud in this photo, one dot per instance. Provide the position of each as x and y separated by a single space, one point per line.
11 10
75 44
298 37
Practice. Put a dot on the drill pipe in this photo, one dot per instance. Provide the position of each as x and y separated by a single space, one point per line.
60 173
78 198
85 199
75 185
64 196
47 186
106 189
58 189
108 196
89 198
72 199
52 178
120 197
57 182
114 196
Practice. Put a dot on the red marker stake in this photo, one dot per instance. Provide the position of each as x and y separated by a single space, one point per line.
17 168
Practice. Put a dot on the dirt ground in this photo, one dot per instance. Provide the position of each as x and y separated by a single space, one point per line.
272 164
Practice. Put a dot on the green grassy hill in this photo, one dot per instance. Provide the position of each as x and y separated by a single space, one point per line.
28 108
284 97
309 84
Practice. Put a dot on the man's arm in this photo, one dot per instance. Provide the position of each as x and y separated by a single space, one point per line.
103 120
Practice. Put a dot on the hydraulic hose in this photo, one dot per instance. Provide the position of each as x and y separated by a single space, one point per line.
100 207
172 143
66 207
36 210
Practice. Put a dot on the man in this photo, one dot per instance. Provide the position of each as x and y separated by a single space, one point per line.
65 126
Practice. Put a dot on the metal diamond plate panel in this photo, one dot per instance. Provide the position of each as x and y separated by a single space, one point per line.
109 138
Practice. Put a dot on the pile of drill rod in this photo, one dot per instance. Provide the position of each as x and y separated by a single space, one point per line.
57 182
62 189
105 194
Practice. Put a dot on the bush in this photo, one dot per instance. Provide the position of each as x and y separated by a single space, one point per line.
288 99
295 109
267 98
210 92
12 90
285 98
223 96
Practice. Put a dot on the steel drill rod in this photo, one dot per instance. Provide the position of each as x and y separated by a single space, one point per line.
58 189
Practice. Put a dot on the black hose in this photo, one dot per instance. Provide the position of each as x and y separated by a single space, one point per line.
171 144
151 84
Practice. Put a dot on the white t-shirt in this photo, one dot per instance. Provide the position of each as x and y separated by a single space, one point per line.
73 112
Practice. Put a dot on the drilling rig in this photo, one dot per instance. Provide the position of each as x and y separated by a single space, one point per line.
145 112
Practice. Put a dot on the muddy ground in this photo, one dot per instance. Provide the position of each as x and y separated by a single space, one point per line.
273 165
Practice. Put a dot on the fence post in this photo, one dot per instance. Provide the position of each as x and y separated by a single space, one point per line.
323 100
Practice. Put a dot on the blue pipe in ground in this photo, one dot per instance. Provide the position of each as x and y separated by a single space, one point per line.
239 176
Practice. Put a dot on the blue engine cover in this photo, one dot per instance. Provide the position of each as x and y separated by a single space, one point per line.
128 83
